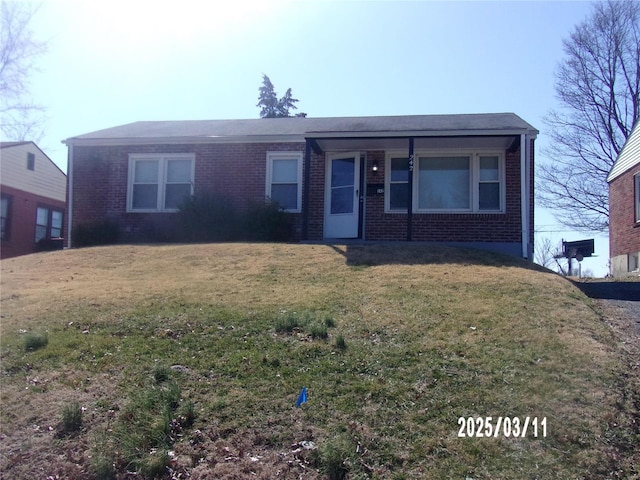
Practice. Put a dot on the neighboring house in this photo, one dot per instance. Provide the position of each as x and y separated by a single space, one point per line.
624 208
33 191
454 179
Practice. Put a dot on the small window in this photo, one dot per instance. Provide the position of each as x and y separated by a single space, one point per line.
489 183
42 223
636 179
634 265
31 161
398 184
5 221
284 180
159 183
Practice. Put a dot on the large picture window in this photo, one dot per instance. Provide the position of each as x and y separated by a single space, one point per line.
284 180
159 183
446 182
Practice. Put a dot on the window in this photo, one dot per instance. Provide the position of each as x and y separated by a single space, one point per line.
159 183
31 161
48 223
398 175
633 264
444 182
5 221
284 179
636 179
489 183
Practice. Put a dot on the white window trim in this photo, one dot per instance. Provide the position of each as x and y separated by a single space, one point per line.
271 156
474 187
162 178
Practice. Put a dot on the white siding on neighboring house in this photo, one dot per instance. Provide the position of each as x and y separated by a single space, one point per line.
45 179
629 156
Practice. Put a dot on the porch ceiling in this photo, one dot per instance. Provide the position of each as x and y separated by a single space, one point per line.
420 143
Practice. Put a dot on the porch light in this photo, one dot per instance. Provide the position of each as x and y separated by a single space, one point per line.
374 166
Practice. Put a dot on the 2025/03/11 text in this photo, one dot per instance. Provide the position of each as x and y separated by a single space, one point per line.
508 427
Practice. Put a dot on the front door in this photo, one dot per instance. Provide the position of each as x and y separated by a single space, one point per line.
342 195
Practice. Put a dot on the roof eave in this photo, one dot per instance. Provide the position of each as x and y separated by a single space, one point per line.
291 138
109 142
424 133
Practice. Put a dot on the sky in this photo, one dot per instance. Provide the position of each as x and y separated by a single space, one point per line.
114 62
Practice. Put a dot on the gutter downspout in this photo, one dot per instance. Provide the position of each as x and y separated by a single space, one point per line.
69 193
524 195
305 189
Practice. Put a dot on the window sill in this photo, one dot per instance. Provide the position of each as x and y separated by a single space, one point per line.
152 211
448 212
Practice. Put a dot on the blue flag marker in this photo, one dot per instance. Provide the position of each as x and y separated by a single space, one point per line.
302 398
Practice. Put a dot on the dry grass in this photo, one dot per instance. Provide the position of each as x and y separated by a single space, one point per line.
432 334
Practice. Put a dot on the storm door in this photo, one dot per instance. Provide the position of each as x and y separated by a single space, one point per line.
342 194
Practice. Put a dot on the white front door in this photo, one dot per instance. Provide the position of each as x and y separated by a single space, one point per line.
342 194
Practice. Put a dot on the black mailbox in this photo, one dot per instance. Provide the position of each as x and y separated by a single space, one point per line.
579 249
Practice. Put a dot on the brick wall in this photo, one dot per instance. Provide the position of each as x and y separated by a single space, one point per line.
624 232
235 171
445 227
238 171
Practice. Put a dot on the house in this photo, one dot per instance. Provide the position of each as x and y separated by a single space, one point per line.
462 180
33 191
624 208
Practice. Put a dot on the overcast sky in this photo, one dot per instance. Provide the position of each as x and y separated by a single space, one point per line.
114 62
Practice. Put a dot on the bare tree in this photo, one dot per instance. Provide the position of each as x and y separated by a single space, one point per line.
548 255
20 118
598 87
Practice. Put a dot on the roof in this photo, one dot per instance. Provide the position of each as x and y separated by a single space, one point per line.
296 129
12 144
629 155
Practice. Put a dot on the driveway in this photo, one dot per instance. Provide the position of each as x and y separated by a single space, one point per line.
621 297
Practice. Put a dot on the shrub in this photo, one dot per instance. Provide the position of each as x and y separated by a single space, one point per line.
267 222
96 233
212 218
208 218
35 340
341 344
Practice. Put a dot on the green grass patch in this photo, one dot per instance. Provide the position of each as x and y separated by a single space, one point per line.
35 341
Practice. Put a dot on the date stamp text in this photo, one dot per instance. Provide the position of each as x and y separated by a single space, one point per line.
507 427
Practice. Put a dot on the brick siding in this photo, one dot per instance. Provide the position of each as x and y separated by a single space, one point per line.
624 232
237 171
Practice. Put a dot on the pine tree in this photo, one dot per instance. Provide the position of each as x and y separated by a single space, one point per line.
286 103
271 106
268 100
